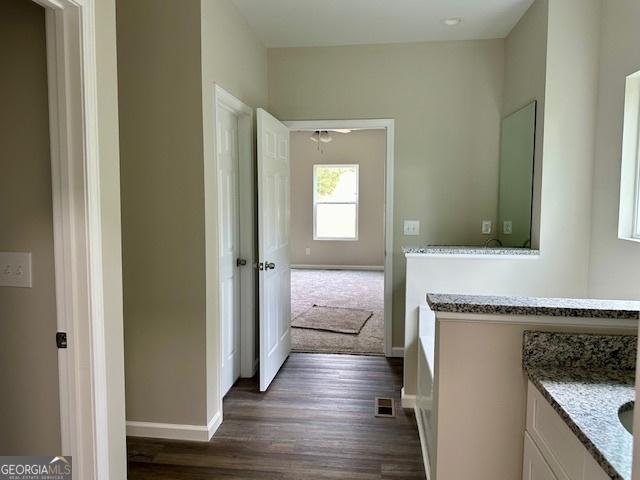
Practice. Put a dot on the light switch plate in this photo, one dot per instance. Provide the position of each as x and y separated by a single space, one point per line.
412 227
486 227
307 251
507 227
15 269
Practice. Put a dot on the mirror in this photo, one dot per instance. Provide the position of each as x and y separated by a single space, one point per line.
515 198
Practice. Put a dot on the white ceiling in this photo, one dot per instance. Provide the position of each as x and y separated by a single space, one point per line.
305 23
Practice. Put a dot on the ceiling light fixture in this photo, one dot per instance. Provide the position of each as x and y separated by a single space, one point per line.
452 21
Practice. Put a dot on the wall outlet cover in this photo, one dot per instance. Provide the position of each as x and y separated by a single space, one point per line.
15 269
507 227
412 227
486 227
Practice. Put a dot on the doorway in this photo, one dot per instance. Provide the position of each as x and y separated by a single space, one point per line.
337 240
351 275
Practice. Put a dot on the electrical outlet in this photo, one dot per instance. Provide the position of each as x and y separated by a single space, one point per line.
507 227
486 227
307 251
411 227
15 269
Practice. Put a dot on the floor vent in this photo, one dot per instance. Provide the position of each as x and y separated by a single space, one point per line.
385 407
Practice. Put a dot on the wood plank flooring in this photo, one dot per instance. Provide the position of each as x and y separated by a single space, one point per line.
315 422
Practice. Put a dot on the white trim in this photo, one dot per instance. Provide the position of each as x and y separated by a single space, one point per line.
388 125
629 207
77 221
246 163
316 203
174 431
397 352
407 401
379 268
537 320
423 443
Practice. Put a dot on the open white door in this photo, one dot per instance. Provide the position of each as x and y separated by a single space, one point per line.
273 245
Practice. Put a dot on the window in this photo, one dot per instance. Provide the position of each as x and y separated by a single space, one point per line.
629 221
335 202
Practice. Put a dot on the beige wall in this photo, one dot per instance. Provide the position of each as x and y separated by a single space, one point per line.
169 55
614 262
109 152
446 98
161 161
525 73
367 148
29 403
234 58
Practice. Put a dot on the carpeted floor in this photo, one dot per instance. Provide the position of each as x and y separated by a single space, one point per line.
339 288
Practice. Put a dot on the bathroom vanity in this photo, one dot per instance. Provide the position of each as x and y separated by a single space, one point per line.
472 389
580 398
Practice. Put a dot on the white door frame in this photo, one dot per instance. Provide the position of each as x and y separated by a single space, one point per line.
246 208
77 224
388 125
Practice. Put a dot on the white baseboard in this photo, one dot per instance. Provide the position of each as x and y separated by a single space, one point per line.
172 431
397 352
408 401
337 267
423 445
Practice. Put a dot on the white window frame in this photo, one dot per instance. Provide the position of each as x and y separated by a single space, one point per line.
629 215
636 214
316 202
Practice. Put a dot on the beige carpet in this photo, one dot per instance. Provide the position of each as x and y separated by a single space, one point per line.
338 288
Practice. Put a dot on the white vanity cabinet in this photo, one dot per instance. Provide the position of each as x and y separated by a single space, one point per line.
551 449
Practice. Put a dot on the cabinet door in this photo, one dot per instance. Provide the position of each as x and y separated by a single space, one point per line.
534 466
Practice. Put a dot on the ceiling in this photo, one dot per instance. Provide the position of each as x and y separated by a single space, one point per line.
310 23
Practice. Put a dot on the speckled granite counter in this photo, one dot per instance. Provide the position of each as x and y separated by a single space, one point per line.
587 379
460 250
554 307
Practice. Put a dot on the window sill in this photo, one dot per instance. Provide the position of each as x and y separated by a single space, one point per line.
335 239
629 239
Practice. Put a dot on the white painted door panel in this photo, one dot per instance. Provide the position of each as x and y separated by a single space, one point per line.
229 245
273 245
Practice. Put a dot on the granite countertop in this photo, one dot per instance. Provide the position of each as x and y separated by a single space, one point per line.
462 250
587 379
588 401
554 307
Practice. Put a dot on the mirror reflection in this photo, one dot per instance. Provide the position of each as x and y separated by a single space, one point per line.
517 150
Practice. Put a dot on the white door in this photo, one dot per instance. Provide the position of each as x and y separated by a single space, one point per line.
229 241
273 245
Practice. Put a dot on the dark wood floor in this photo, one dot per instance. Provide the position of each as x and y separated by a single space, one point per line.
315 422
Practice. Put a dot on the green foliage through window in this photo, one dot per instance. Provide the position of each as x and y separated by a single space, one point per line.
327 179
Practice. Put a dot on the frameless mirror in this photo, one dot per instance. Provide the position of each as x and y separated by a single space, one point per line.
517 150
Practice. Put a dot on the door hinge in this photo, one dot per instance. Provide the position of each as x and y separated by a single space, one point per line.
240 262
61 339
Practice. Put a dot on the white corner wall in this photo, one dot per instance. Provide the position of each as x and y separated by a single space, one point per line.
615 263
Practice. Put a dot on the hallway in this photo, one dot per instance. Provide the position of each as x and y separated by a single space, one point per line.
315 422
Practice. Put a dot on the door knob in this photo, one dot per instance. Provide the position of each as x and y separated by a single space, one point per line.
240 262
269 266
